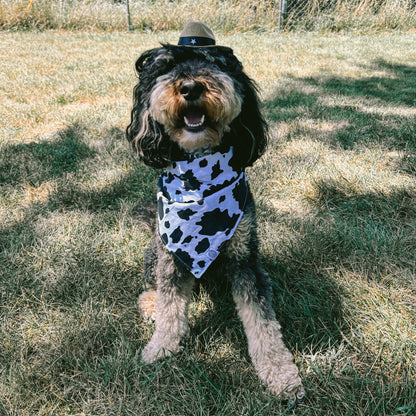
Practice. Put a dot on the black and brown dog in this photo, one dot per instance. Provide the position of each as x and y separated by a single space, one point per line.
196 114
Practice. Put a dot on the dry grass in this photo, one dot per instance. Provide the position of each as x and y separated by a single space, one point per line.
336 193
225 16
365 16
145 15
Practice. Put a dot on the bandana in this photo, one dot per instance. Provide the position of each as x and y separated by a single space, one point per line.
200 203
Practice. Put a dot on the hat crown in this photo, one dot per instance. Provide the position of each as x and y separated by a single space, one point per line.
196 34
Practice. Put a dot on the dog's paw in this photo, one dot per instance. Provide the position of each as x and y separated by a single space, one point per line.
151 353
294 392
284 381
158 349
146 303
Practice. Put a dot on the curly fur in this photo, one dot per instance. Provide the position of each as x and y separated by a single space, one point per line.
228 99
150 137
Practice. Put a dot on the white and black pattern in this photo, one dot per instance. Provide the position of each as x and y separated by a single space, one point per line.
200 203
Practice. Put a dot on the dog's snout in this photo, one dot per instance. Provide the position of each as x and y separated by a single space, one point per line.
191 90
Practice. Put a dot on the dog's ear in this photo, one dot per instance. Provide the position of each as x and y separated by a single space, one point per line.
143 58
148 138
248 134
146 135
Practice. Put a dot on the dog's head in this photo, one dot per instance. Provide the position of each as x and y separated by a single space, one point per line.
189 100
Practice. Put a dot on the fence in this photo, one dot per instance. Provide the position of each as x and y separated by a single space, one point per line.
337 15
222 15
334 15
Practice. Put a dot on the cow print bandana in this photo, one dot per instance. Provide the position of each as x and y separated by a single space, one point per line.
200 203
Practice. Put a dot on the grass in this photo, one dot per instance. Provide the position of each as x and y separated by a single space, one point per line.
226 16
336 196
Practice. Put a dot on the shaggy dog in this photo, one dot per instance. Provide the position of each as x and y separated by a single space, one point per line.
197 107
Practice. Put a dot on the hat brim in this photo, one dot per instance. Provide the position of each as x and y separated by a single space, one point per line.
196 41
224 49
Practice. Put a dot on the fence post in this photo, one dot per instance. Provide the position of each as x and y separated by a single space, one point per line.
128 15
282 12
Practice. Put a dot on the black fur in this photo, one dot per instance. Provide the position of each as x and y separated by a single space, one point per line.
248 133
168 282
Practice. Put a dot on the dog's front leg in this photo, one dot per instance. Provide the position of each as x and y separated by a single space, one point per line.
172 298
271 358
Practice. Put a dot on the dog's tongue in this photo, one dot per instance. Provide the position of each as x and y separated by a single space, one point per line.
194 118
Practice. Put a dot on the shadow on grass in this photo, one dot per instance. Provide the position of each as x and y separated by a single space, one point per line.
377 227
307 300
359 111
34 163
72 164
338 197
70 153
397 87
348 229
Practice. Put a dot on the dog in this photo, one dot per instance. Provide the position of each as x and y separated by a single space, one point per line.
196 114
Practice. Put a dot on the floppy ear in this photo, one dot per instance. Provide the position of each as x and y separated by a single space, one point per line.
248 133
148 138
146 135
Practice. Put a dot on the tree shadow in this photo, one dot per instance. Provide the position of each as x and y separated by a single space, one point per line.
307 299
344 222
337 196
376 225
397 87
64 159
358 111
34 163
134 186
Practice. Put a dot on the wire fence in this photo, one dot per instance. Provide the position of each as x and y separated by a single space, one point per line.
227 16
336 15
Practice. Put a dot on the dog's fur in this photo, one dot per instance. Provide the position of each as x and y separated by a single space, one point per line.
173 83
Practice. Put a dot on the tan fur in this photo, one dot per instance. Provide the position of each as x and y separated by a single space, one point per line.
147 305
237 247
219 102
191 142
271 358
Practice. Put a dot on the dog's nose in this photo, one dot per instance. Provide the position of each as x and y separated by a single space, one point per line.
191 90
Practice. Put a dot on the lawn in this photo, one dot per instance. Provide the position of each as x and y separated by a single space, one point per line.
336 197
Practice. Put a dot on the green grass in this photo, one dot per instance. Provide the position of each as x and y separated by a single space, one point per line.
336 196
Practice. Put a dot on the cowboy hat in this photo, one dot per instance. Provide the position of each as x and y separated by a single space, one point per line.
196 34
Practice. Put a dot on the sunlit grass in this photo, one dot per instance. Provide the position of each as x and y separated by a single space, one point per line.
336 196
225 16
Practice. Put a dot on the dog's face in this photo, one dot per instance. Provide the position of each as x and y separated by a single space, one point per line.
194 99
195 102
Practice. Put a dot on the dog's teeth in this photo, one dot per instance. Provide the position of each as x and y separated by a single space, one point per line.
199 124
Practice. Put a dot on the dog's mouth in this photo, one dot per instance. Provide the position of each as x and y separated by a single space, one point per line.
196 128
194 120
